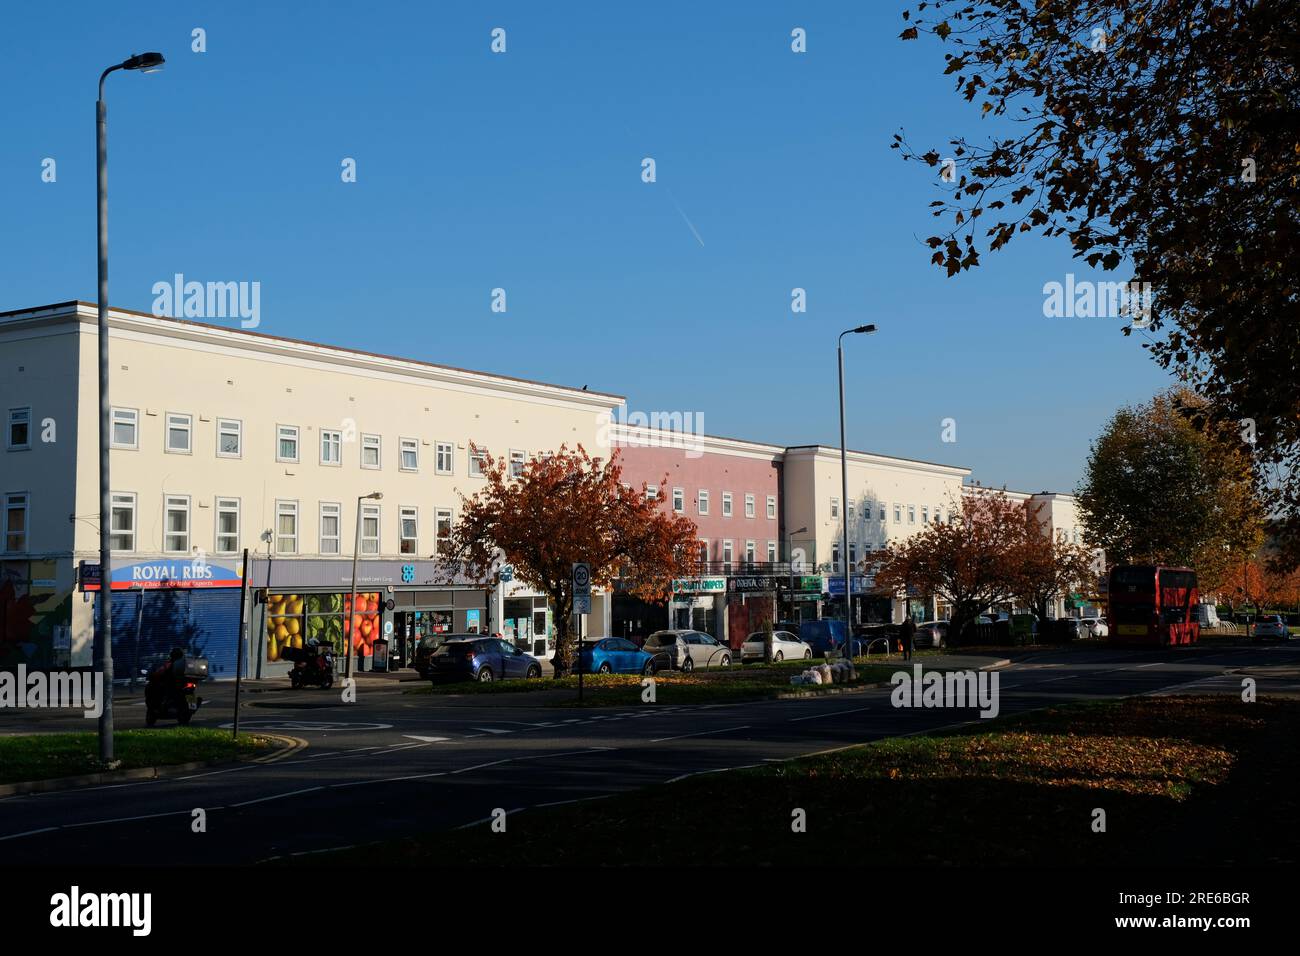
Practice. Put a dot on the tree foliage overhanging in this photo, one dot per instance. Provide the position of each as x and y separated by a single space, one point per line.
1158 137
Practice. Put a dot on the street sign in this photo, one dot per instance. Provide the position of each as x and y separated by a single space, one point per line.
582 604
581 587
507 572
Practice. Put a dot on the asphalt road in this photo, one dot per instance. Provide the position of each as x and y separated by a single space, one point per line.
394 763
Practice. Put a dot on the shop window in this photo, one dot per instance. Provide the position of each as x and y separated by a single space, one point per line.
20 429
126 424
286 443
409 451
408 521
179 428
15 523
227 525
370 529
371 448
122 531
176 534
329 527
230 438
331 447
294 619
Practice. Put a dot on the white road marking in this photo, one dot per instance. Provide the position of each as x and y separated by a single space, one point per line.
492 730
702 733
836 713
560 803
278 796
427 740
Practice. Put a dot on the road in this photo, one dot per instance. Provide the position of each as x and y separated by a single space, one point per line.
395 763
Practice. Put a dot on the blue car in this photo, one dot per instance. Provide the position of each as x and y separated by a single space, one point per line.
614 655
476 657
826 637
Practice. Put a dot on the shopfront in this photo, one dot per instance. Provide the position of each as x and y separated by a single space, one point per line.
751 605
697 604
162 603
36 599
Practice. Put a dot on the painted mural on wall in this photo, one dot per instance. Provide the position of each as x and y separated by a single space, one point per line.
35 615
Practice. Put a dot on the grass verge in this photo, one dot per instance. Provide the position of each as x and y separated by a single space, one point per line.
1181 780
47 756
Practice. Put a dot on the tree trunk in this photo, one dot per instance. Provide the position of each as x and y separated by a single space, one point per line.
563 661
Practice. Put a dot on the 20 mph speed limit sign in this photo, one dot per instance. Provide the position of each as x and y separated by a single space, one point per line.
581 587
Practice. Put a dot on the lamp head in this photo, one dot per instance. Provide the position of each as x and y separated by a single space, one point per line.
144 62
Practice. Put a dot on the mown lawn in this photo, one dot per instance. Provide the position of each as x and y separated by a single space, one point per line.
46 756
1181 780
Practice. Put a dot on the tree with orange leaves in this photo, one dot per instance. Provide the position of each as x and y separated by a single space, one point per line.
562 508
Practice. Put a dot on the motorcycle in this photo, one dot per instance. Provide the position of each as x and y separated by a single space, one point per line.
171 689
313 665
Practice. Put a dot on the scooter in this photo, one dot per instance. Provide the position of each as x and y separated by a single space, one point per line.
171 689
313 665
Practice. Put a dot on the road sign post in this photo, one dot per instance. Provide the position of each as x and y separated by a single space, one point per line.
581 606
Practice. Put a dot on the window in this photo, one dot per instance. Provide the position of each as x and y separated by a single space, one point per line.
771 507
176 524
477 462
126 428
407 521
726 504
911 514
370 529
882 511
517 459
230 438
409 454
679 500
122 522
750 552
286 527
704 502
866 510
898 514
771 552
442 463
849 511
835 507
16 523
329 527
370 451
20 428
835 557
726 554
442 528
925 514
227 539
749 506
286 443
178 433
331 447
651 492
853 555
704 552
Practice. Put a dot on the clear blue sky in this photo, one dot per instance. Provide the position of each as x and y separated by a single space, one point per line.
523 171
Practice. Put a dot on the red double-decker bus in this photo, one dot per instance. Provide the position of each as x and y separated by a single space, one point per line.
1150 604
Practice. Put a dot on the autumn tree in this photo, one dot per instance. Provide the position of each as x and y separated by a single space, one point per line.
1166 486
1044 566
969 562
563 508
1160 139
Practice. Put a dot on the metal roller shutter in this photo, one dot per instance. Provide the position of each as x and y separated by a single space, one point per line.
204 622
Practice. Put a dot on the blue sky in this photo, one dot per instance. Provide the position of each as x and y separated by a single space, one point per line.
522 171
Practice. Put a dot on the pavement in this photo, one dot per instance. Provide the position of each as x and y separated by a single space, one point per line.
393 763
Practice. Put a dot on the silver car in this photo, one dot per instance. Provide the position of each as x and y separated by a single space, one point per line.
684 650
785 646
1271 626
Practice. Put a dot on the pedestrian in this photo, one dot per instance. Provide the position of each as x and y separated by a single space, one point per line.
908 634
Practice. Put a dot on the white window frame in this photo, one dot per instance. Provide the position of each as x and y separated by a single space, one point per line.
911 514
679 501
771 507
167 433
403 446
477 463
884 511
835 508
334 438
376 511
651 492
224 429
123 501
405 513
17 501
751 552
726 504
771 552
281 435
283 507
702 501
441 449
703 551
168 500
15 419
329 509
925 514
518 460
439 516
222 505
835 556
377 443
728 554
751 507
898 513
133 420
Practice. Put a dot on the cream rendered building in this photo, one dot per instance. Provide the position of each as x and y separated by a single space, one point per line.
226 439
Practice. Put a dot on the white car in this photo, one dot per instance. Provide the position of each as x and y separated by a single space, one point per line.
1269 625
785 646
1096 626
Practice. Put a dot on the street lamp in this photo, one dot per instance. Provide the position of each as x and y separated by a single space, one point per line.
146 62
350 635
844 502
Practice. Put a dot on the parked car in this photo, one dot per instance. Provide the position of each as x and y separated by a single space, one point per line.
1269 626
686 650
931 634
614 655
826 638
424 650
785 646
1095 627
475 657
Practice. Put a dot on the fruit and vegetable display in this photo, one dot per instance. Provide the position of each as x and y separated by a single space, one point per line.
293 619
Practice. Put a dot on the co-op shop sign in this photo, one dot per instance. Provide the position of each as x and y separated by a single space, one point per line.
151 575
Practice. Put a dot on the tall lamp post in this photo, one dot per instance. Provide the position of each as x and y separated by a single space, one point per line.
147 63
350 635
844 480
